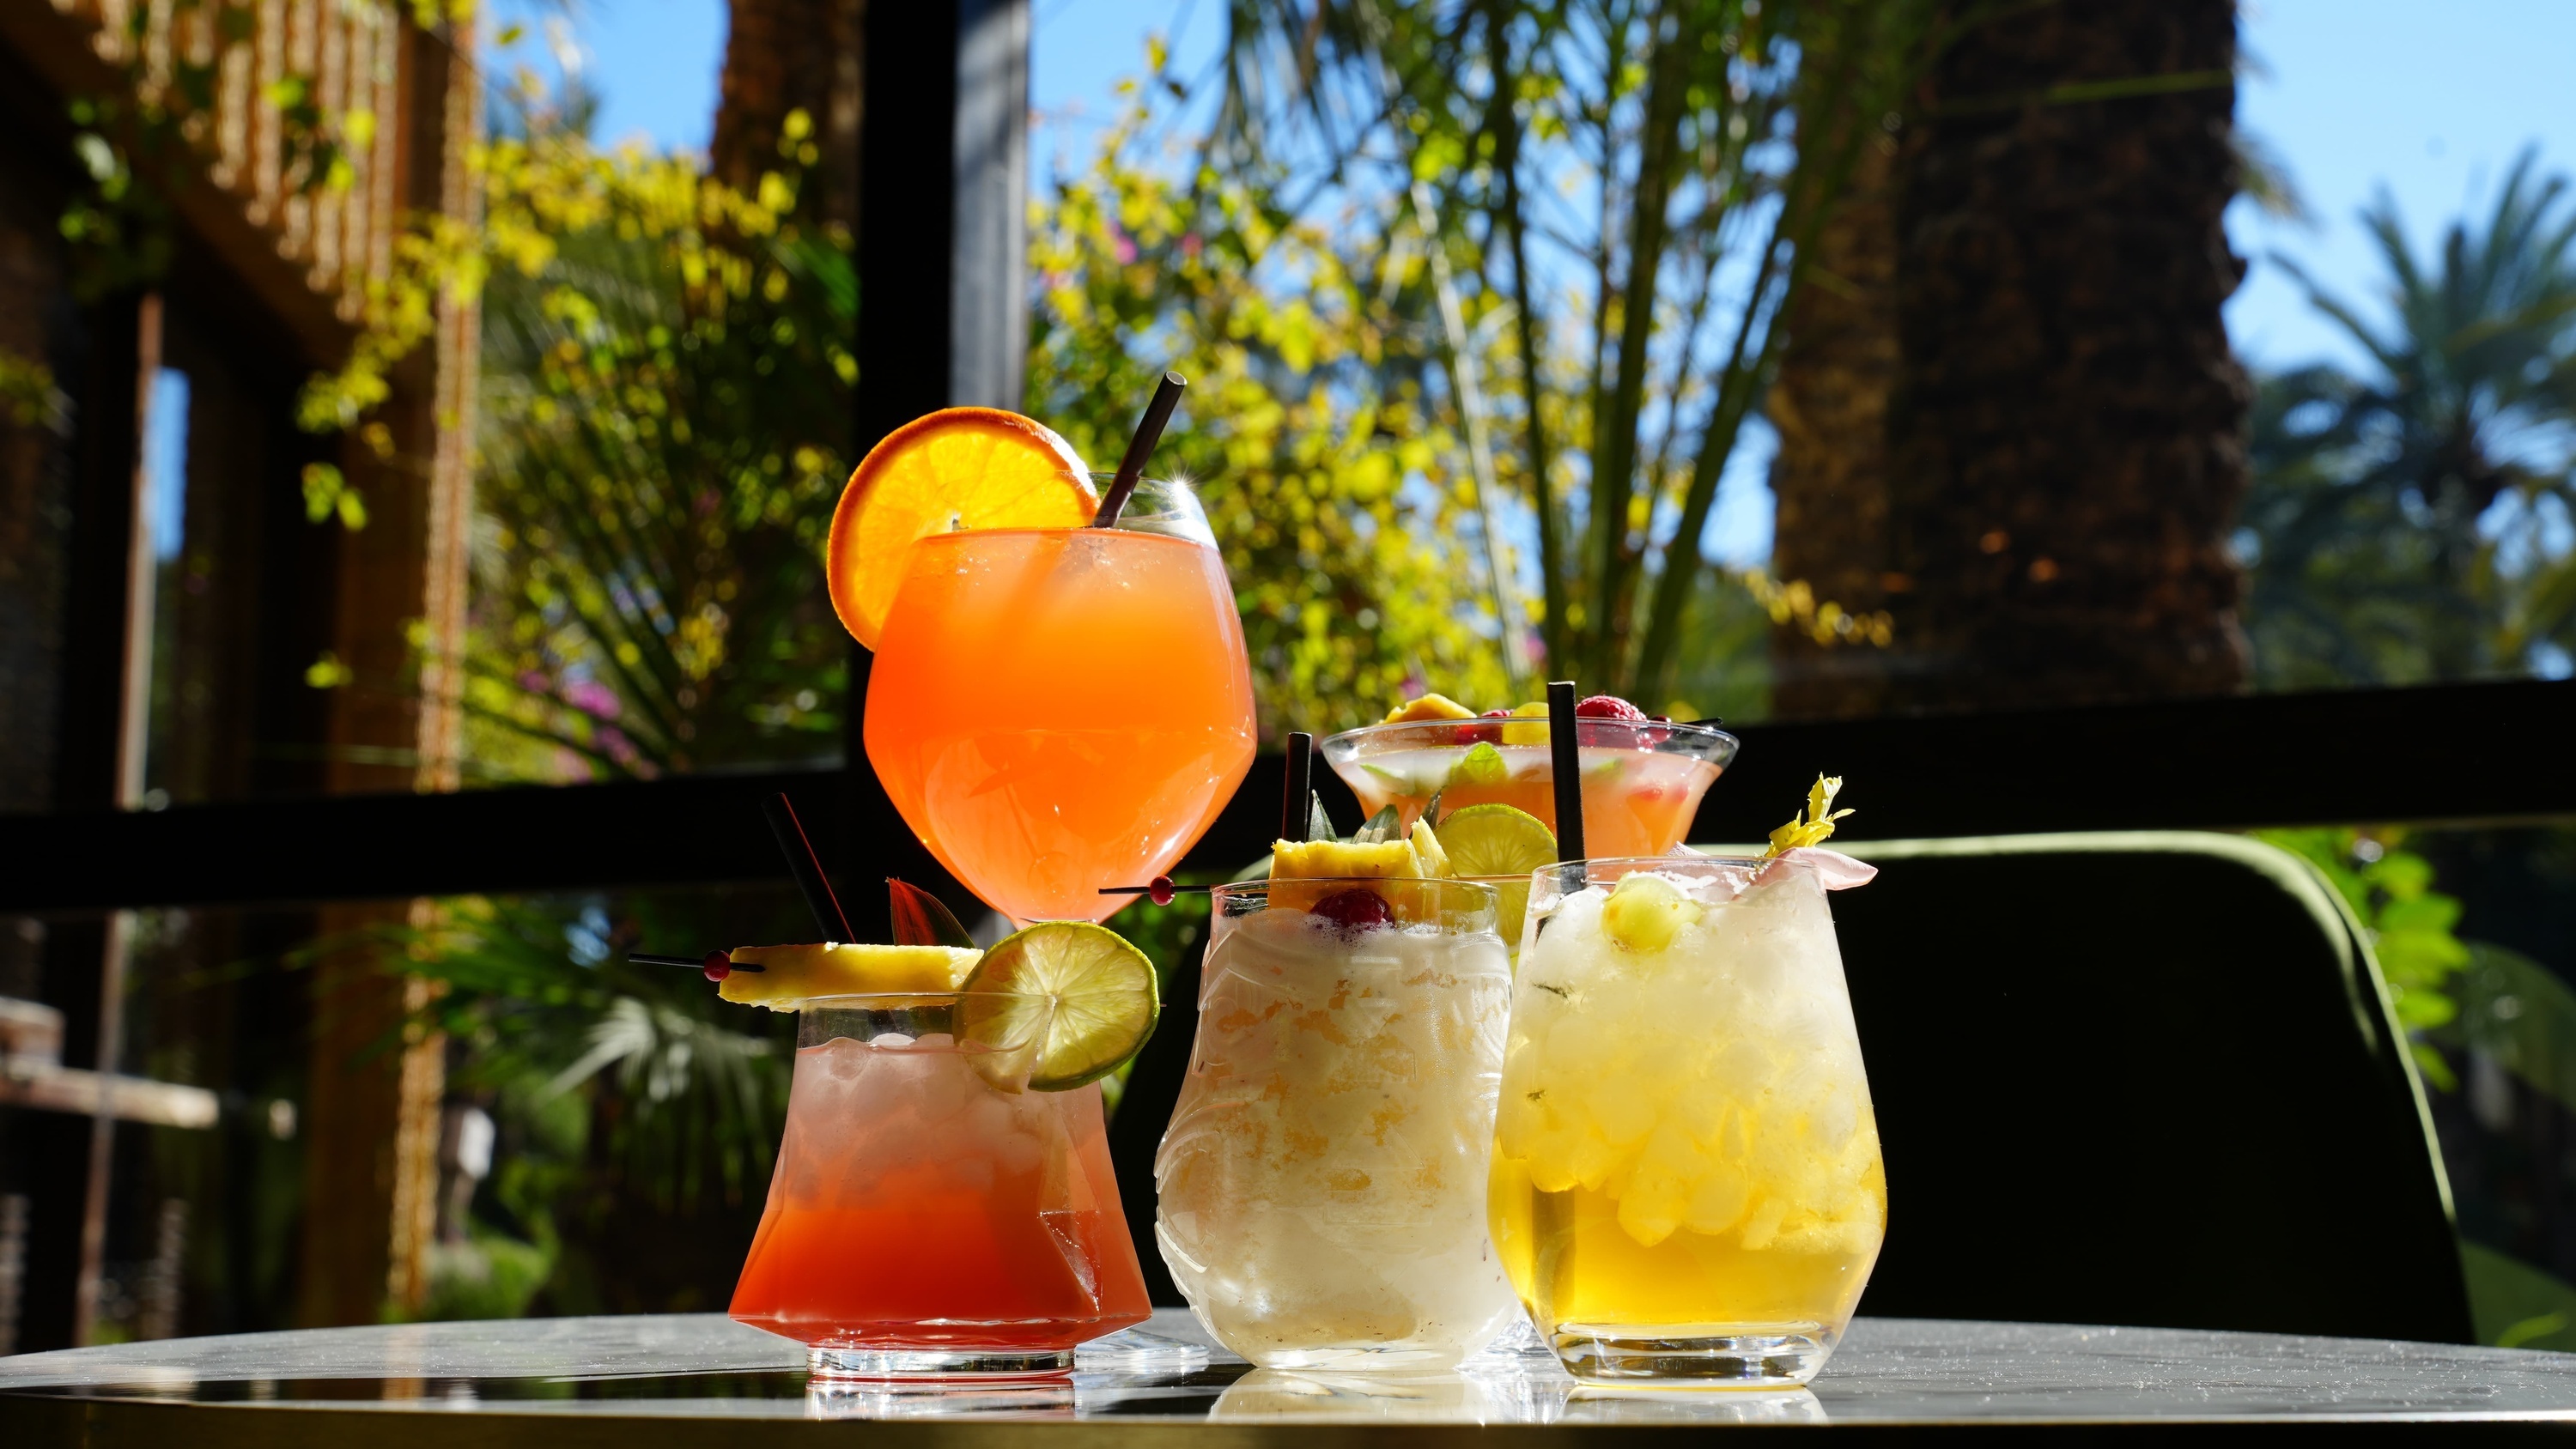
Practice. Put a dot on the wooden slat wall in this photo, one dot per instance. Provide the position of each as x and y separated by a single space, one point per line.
347 51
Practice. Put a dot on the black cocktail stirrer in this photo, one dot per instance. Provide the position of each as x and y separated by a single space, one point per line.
1140 448
1294 816
801 863
1565 761
807 868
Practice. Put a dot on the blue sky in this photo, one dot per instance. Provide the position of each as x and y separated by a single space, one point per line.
2431 102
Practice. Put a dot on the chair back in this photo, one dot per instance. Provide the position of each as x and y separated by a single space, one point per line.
2142 1078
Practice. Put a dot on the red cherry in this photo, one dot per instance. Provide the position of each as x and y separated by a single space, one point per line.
1609 706
718 966
1356 909
1161 890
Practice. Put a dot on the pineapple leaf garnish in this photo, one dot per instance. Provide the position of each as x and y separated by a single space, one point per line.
1816 826
1319 826
1379 830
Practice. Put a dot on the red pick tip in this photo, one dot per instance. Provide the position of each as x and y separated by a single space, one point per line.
1609 706
1356 909
718 966
1160 890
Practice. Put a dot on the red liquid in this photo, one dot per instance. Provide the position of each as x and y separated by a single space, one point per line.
916 1207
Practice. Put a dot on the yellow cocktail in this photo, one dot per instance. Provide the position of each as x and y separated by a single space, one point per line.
1686 1179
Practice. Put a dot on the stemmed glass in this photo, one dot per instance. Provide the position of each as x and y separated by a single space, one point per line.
1055 710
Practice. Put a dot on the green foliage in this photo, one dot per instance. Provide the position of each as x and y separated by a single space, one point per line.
661 434
486 1276
2517 1011
2400 524
1632 316
1167 935
1332 476
688 1090
2409 924
616 1088
2516 1305
28 396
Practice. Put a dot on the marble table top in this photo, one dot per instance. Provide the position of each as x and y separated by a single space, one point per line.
705 1367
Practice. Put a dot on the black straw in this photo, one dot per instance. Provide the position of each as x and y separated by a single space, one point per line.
1565 761
807 868
1149 431
1294 820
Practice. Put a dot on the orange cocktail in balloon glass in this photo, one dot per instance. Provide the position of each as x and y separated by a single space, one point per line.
1057 710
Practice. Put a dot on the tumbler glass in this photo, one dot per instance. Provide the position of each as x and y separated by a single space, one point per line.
1322 1182
1686 1175
929 1215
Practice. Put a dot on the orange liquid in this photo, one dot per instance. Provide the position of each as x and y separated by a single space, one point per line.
1635 802
1055 711
914 1206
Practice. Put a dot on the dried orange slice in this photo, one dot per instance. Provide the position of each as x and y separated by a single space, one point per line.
958 468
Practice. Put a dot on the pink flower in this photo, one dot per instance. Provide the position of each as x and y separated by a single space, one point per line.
592 698
614 741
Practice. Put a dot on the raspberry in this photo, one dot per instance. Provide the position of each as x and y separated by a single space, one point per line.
1356 909
1485 734
1609 706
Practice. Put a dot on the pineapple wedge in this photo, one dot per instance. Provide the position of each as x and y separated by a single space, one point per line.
1428 854
1429 706
1313 859
790 975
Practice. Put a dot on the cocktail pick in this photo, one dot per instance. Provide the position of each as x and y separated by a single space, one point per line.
1161 890
1149 431
1295 817
716 964
1565 761
807 868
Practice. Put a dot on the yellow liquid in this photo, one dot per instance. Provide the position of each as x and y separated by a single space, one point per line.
1572 1262
1684 1146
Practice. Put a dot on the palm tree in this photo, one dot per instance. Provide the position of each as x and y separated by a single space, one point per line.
784 56
2380 550
2066 440
1828 404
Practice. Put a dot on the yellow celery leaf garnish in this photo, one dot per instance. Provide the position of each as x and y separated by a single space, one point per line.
1818 823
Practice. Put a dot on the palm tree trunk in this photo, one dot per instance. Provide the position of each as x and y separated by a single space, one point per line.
788 55
1829 407
2068 438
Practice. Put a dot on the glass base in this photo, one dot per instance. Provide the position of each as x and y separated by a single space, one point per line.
1360 1358
1699 1356
1140 1351
947 1361
1517 1347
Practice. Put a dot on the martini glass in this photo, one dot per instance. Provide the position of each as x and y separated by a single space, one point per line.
1055 709
1642 781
